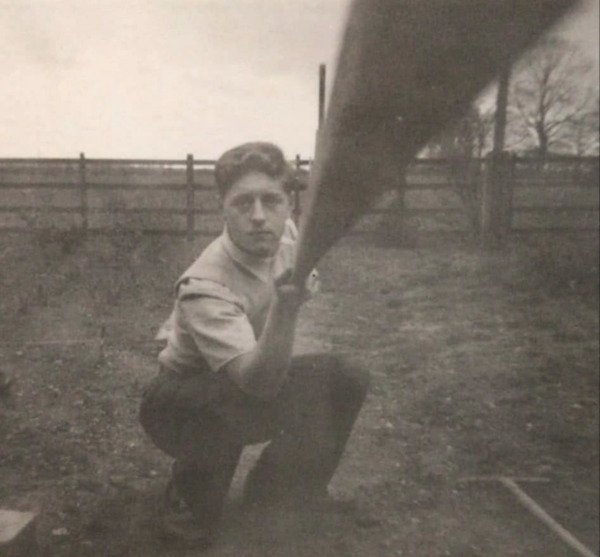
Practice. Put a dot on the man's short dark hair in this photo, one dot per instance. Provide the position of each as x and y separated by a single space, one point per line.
257 156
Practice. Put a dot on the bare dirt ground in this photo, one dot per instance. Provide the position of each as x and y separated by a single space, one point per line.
482 364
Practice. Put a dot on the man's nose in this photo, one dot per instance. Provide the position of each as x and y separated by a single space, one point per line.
258 213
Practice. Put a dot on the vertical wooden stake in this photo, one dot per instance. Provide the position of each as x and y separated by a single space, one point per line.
489 203
83 198
400 216
496 199
101 346
501 106
296 210
321 113
190 197
508 192
322 84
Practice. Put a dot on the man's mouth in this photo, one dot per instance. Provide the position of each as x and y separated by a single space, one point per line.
262 234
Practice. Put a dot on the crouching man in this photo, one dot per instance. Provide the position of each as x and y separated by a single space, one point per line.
227 377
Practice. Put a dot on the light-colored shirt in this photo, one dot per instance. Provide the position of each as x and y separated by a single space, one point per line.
222 303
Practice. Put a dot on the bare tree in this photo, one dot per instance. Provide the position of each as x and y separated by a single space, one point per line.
463 145
582 136
468 138
552 94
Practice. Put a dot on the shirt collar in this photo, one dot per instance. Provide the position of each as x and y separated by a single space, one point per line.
260 267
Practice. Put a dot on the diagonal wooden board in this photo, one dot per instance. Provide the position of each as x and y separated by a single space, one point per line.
17 532
406 69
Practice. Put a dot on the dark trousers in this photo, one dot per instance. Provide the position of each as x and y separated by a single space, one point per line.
203 420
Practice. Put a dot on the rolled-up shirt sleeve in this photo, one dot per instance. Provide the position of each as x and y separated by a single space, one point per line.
216 321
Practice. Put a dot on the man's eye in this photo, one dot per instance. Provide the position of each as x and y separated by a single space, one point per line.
243 202
271 200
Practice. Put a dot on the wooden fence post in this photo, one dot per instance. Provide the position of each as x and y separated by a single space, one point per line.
190 197
296 210
321 103
496 199
83 198
508 192
400 216
322 91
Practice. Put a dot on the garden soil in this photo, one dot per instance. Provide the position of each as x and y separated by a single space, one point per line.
482 364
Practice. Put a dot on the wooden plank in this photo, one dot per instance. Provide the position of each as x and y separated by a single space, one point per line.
434 185
550 210
415 211
441 185
17 534
40 209
200 211
102 185
38 161
127 187
441 161
588 159
101 210
106 231
552 229
559 158
140 162
555 183
539 512
425 211
38 185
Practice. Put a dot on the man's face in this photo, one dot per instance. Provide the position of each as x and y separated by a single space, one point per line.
255 210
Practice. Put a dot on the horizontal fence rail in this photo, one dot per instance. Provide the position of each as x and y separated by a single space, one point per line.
179 195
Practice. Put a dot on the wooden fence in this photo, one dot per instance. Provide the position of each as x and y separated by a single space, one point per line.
491 196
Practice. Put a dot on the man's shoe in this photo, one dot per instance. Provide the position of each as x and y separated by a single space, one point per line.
181 526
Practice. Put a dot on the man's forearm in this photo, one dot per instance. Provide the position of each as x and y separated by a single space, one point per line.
263 371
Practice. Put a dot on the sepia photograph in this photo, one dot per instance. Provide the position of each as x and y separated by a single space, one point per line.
299 278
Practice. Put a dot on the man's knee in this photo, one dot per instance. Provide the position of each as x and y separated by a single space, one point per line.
157 422
347 379
350 379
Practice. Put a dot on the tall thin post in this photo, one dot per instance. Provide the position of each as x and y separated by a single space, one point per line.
496 202
496 198
400 208
507 201
190 197
83 197
501 107
322 91
296 209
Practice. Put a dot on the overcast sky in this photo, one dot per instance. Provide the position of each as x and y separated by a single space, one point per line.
162 78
